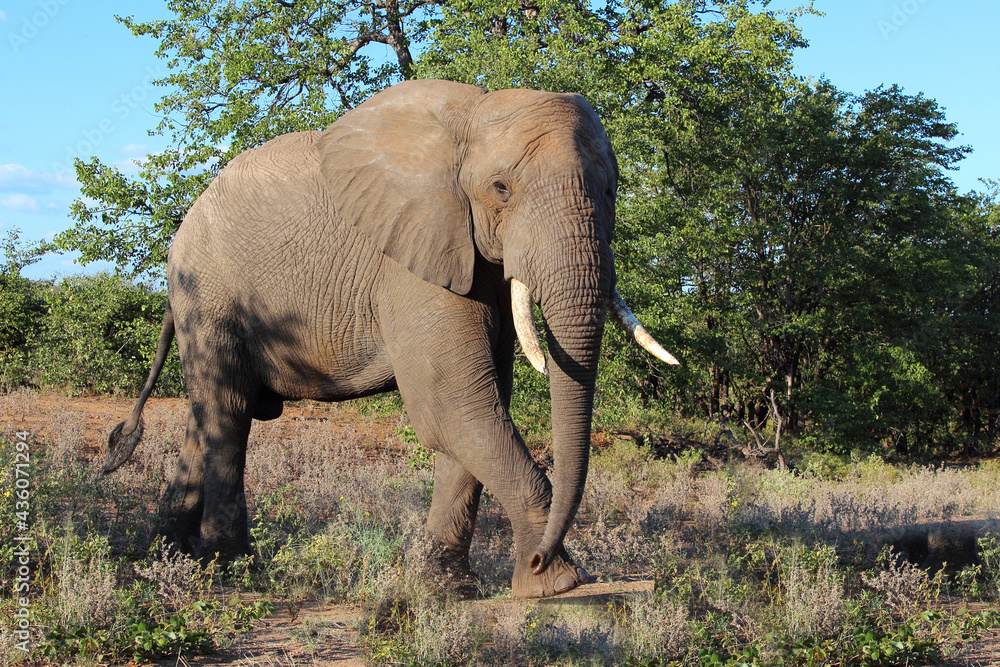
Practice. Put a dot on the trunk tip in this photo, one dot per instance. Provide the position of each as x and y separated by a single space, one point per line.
538 563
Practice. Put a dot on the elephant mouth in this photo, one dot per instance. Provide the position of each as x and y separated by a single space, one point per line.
527 334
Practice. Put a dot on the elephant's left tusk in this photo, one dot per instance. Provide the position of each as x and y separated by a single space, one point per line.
624 316
524 325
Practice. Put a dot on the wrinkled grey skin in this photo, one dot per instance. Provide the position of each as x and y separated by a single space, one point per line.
377 254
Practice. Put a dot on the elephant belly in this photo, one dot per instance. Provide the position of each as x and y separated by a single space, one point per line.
329 387
332 366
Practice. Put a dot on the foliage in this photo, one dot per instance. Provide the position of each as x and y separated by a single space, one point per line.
783 235
87 334
195 630
82 333
420 457
744 196
101 335
237 75
22 309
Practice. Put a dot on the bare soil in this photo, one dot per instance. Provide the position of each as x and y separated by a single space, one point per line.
317 634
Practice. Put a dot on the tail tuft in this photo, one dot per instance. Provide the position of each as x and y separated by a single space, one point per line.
120 447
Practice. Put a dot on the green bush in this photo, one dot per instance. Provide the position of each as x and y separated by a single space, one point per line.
22 310
85 334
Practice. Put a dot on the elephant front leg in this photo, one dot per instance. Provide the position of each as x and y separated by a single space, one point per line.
482 445
450 525
457 399
528 510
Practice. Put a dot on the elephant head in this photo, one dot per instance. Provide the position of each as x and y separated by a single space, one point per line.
434 172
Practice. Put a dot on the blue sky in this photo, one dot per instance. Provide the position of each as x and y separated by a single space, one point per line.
76 83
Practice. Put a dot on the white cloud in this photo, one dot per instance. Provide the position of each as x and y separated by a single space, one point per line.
134 155
17 177
3 17
19 202
134 150
129 167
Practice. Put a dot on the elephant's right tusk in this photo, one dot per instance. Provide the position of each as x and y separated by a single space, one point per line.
624 316
524 325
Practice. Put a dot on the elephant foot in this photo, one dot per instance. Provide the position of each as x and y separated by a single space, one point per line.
454 577
221 551
171 544
559 577
180 537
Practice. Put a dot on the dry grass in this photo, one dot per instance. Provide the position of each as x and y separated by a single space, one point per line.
446 634
583 636
18 403
84 591
66 436
510 634
337 515
657 629
907 588
177 576
814 595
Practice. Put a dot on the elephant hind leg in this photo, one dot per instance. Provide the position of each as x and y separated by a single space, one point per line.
450 524
181 506
224 426
223 394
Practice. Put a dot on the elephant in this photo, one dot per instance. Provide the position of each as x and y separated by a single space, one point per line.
401 248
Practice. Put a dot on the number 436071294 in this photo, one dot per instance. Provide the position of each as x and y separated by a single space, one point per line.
21 460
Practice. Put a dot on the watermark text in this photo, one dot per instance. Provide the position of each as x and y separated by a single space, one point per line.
901 14
36 21
22 540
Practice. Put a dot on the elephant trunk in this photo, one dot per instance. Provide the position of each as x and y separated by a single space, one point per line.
574 304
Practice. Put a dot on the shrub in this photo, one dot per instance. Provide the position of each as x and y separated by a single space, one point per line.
87 611
656 628
22 315
100 335
83 593
22 311
989 553
814 592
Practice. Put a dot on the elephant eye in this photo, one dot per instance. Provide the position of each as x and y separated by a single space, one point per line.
502 191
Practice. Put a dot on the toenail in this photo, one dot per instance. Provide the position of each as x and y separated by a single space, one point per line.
565 583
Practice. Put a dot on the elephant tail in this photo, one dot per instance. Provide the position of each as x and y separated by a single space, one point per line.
126 436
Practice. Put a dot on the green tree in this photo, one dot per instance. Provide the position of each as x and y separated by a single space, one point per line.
100 335
681 88
966 327
787 237
240 74
844 219
22 308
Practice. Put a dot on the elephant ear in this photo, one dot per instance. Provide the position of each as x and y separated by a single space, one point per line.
392 169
